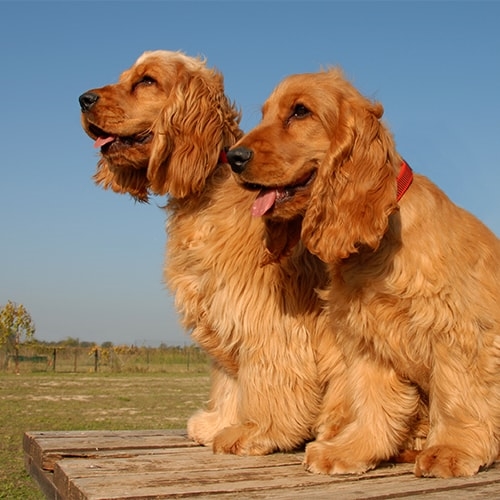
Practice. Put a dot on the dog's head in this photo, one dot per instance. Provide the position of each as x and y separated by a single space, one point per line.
161 127
321 154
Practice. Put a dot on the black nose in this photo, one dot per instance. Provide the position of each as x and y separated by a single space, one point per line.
238 158
87 100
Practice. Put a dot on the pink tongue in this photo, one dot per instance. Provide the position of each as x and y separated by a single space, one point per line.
264 202
99 143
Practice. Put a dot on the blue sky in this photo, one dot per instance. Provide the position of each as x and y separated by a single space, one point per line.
87 263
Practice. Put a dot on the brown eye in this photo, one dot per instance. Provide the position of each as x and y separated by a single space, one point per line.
300 111
146 81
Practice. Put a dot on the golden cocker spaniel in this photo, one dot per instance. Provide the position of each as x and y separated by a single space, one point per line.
162 129
415 280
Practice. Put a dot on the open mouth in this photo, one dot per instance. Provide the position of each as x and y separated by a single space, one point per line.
105 141
269 196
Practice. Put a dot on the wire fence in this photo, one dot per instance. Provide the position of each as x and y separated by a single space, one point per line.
112 359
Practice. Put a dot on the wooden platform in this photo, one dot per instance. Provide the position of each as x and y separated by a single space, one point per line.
165 464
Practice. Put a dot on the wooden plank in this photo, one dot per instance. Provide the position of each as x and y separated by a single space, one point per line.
144 465
213 479
43 478
147 478
200 473
46 448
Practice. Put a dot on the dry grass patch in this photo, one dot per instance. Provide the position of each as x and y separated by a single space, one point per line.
46 402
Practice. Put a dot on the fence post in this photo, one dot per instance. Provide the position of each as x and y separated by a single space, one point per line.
96 359
54 357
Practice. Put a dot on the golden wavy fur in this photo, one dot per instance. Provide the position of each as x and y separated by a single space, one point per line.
415 284
161 129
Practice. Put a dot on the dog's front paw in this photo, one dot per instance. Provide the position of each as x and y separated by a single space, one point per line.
446 461
243 439
324 458
203 426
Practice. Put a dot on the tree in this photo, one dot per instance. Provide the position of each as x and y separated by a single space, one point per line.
16 326
71 342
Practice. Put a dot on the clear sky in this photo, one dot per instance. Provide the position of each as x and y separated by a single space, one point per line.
87 263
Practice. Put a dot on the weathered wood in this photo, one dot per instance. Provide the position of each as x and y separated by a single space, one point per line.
46 448
43 478
144 465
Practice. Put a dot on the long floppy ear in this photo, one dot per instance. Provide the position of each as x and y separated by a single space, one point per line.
122 180
355 189
190 133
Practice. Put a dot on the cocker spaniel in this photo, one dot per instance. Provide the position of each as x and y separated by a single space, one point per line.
415 280
162 129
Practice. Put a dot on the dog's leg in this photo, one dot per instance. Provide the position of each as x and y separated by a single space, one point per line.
221 411
382 407
279 400
335 410
464 411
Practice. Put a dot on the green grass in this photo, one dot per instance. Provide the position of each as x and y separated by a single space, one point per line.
59 401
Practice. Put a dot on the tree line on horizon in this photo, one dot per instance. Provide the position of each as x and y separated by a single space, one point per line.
18 328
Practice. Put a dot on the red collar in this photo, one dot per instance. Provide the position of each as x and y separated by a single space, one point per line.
223 157
405 178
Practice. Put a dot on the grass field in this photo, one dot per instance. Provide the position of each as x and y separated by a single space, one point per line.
61 401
